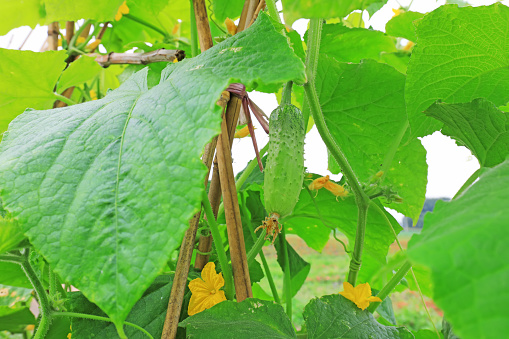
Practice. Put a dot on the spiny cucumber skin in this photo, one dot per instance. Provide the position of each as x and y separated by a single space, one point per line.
284 170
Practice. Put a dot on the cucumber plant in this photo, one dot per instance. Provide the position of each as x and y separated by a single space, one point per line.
102 186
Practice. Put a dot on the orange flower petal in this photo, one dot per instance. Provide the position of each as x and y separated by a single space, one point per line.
318 183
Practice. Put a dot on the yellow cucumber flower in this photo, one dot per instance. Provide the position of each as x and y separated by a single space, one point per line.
206 291
360 294
123 9
337 190
230 26
242 133
318 183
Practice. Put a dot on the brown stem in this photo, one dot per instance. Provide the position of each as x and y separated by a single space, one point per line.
247 14
101 34
258 9
232 215
53 32
202 24
69 31
160 55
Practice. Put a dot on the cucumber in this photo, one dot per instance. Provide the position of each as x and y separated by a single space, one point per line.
284 171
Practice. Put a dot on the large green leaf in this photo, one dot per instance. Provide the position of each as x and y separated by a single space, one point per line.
354 44
28 79
461 54
403 25
20 13
251 318
334 316
149 312
306 222
295 9
364 109
223 9
105 189
87 9
463 242
478 125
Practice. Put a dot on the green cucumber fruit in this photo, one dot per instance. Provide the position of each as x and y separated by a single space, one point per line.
284 171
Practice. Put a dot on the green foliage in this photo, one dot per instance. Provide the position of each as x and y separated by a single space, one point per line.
461 54
478 125
403 25
149 312
364 108
82 70
295 9
252 318
16 320
101 193
13 275
95 157
333 316
10 234
299 268
315 227
462 243
227 9
27 80
354 44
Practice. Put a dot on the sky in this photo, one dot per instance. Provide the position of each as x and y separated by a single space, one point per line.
449 165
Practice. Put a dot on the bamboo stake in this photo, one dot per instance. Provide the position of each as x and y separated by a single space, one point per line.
247 14
232 214
69 31
205 244
202 24
259 8
53 32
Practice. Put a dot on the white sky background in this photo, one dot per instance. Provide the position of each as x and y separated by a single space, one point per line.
449 165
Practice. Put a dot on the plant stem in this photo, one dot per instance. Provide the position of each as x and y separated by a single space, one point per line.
147 24
44 303
256 247
271 7
17 259
194 32
287 282
361 199
469 181
221 254
286 97
72 43
64 99
387 289
95 317
52 284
